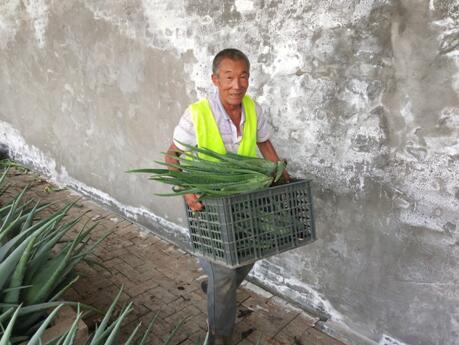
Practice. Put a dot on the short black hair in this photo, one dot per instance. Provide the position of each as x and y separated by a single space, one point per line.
229 53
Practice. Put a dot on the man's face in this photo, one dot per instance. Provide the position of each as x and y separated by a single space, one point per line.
232 81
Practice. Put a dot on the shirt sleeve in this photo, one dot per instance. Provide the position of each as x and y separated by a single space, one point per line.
264 128
184 132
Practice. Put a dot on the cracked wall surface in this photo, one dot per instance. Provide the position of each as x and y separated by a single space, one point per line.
363 97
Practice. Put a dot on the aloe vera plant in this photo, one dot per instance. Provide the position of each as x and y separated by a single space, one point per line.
227 174
107 332
36 262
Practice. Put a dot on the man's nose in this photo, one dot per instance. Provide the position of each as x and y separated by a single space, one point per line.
236 83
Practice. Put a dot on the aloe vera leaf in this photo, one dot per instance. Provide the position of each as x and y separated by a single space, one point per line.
43 252
265 166
13 219
6 209
54 218
8 163
14 206
147 332
170 165
204 165
55 237
5 339
14 224
106 332
84 238
31 315
237 176
130 340
208 183
71 332
238 156
206 340
54 228
11 244
220 172
187 165
66 275
65 288
5 315
22 287
30 309
168 341
3 177
40 260
46 245
48 277
104 323
17 278
201 150
214 171
28 222
91 248
238 187
280 167
8 266
35 340
186 191
19 238
97 263
148 171
113 337
58 341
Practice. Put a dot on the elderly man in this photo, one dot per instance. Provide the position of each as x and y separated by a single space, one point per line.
228 120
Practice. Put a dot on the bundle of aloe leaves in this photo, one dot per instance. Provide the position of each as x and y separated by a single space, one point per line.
227 174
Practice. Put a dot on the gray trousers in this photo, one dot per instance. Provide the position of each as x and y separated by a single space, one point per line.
221 295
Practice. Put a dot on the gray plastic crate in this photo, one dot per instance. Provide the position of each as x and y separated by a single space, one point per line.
241 229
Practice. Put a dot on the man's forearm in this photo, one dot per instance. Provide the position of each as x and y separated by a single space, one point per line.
268 151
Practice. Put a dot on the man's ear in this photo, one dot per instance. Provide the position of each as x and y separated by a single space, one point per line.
215 79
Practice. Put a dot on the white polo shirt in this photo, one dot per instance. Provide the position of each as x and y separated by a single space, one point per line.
185 133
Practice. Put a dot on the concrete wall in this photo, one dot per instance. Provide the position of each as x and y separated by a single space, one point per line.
363 96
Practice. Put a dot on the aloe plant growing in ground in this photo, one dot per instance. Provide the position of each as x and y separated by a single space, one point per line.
107 332
30 274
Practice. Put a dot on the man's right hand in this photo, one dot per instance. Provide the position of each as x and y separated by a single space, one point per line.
193 203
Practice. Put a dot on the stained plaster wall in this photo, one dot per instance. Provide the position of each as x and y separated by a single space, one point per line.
363 97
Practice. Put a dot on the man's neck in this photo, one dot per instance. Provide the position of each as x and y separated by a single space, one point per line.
234 112
231 109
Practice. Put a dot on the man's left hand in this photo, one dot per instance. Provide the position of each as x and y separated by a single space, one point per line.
285 176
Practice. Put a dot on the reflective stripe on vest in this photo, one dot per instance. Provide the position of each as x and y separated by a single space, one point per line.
208 134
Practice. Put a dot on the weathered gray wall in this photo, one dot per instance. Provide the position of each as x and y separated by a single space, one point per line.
363 96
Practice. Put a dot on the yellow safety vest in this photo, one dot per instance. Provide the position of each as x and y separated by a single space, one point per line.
208 134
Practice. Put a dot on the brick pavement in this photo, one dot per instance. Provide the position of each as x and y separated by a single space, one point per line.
159 277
